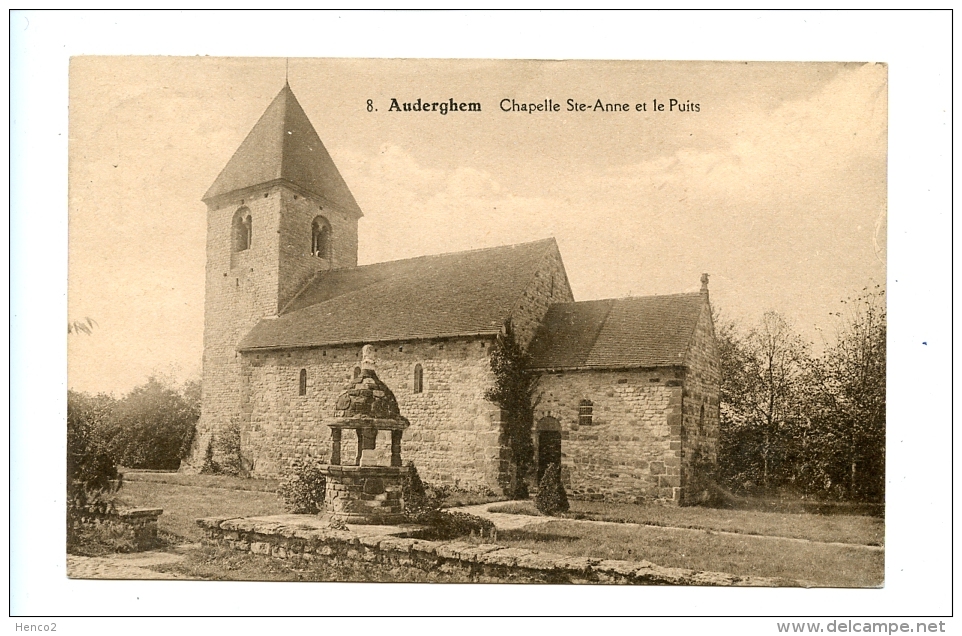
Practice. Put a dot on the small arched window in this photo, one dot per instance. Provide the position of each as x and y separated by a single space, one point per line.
357 371
241 230
302 383
585 411
701 419
321 237
418 379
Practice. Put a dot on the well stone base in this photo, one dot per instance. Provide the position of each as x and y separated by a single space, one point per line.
365 494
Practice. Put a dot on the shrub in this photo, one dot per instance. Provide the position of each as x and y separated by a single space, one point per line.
419 496
422 505
413 492
223 454
209 467
448 524
92 476
153 425
90 465
303 488
227 446
98 538
551 498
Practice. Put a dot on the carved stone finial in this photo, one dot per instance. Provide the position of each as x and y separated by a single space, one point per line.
367 357
704 283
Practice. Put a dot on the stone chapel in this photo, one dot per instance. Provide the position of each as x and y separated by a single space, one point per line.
628 399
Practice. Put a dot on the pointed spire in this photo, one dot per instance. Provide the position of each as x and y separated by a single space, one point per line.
284 147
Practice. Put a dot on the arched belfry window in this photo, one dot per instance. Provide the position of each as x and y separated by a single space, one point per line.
357 371
302 383
321 237
241 228
418 379
585 412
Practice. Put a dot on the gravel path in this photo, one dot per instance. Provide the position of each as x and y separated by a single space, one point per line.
126 566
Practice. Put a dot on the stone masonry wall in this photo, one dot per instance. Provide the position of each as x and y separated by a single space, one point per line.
700 412
297 264
239 291
631 451
243 287
454 432
306 544
550 285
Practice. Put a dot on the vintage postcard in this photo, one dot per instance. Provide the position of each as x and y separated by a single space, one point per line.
477 321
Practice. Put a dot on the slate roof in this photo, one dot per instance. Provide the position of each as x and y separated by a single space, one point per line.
648 331
464 293
283 146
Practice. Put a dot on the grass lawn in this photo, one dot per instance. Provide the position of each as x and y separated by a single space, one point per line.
822 565
206 481
837 528
186 498
184 504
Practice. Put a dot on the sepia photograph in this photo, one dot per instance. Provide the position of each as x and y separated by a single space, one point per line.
477 321
378 316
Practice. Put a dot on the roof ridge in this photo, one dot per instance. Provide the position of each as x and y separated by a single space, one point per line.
471 251
598 300
313 278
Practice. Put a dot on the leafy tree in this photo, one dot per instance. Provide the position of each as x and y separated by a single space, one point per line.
90 465
153 425
513 392
812 424
763 383
92 476
848 404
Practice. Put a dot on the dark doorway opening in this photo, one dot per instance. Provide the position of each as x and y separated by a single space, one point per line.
549 450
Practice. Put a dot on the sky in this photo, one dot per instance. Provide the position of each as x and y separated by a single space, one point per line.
776 186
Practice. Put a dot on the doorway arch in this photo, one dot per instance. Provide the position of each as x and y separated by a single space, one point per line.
549 443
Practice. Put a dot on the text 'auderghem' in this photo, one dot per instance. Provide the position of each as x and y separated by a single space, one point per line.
420 106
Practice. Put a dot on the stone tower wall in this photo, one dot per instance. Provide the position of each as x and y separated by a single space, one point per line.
297 264
245 286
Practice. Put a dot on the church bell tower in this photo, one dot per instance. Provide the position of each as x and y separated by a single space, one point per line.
278 213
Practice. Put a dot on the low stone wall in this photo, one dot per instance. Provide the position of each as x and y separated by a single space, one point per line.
482 562
137 526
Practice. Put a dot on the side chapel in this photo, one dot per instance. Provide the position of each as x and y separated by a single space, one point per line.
628 400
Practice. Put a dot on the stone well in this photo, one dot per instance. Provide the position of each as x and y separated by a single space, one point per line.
369 490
